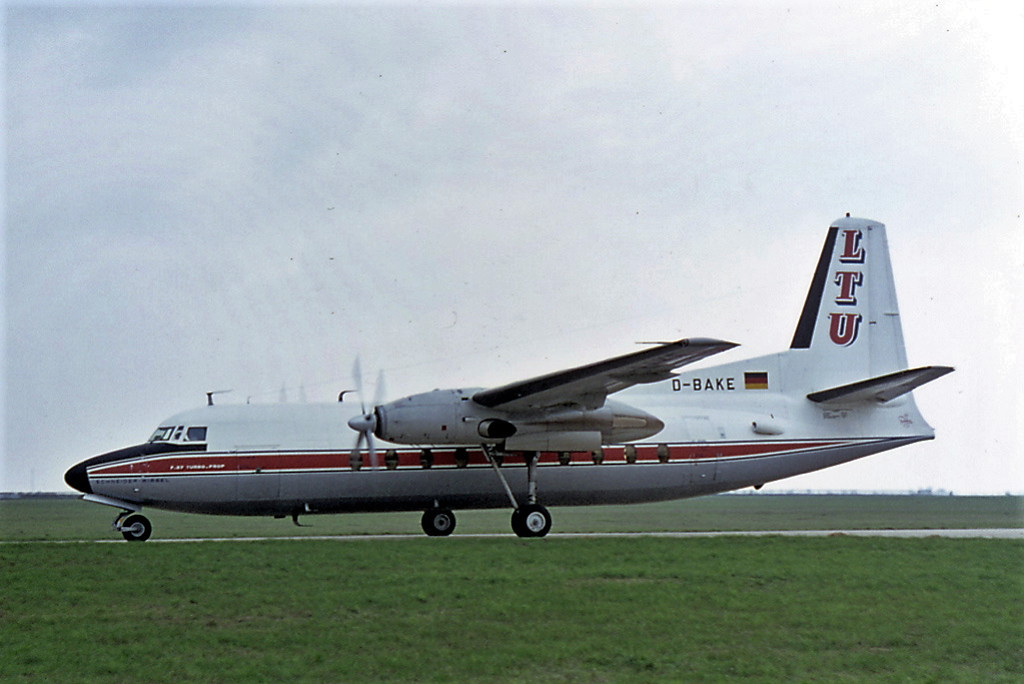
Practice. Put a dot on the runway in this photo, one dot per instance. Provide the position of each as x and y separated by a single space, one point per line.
980 533
992 533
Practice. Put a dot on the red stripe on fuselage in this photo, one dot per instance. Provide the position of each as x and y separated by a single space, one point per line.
304 461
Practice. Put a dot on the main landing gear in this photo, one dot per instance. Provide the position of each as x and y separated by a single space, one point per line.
133 527
530 519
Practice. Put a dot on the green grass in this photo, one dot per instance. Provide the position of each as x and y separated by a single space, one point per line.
771 609
70 519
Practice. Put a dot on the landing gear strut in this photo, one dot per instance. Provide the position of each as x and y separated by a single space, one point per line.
531 519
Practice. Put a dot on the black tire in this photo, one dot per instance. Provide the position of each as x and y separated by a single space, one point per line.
517 523
531 520
136 528
438 522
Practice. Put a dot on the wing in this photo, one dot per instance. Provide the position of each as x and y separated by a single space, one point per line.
587 386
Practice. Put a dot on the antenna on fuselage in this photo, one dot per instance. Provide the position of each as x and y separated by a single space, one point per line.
209 395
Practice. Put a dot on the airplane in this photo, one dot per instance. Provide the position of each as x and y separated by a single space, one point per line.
842 391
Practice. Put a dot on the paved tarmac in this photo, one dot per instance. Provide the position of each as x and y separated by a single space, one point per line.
1007 533
993 533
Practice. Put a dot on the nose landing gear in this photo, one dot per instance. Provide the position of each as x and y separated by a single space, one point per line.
133 527
438 522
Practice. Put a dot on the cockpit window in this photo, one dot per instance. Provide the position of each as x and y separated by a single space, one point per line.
162 434
172 433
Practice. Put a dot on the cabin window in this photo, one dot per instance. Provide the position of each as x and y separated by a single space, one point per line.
196 434
162 434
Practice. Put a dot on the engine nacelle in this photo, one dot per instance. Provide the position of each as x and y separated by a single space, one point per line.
438 417
452 417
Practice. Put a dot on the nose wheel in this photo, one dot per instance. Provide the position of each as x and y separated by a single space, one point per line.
531 520
438 522
135 527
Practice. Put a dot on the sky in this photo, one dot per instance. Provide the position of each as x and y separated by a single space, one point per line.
247 197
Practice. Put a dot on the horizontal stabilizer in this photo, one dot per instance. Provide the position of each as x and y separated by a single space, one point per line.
881 389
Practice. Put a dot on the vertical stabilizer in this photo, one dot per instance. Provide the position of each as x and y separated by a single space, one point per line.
850 325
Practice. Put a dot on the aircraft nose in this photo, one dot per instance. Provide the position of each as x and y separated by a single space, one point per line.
77 478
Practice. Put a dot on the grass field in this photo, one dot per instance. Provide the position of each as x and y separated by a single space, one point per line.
70 519
765 609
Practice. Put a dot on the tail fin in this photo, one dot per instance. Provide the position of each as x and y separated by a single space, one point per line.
850 324
848 347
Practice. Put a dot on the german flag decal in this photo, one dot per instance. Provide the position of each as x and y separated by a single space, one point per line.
755 381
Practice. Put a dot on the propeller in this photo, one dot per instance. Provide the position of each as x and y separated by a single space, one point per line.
366 422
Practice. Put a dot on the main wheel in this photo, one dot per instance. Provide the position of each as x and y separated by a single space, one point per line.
517 523
136 528
531 520
438 522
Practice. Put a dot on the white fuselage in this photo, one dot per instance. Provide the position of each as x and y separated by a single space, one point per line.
284 459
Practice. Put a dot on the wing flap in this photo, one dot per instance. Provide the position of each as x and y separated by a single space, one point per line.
881 389
589 385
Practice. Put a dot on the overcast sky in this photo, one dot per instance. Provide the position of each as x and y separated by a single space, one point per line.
246 197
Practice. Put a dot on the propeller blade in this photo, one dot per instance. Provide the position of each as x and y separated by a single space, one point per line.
354 456
357 376
378 399
359 442
373 450
378 392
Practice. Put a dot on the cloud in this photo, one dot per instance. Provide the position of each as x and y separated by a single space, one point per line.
247 197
